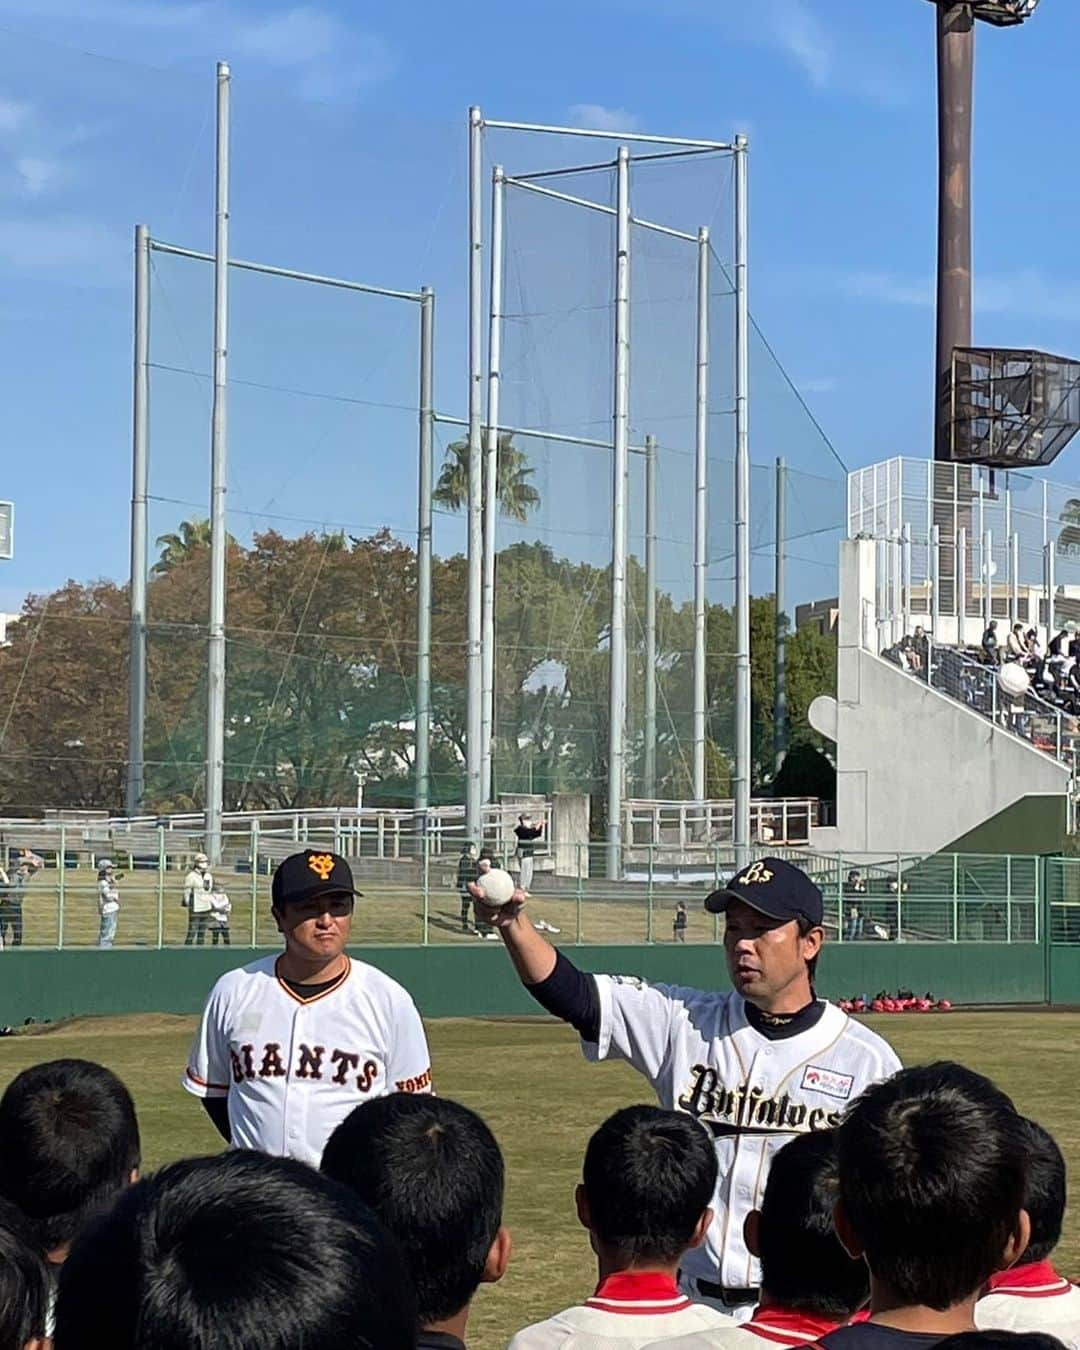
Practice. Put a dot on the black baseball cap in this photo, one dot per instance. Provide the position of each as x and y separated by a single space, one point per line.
316 871
772 887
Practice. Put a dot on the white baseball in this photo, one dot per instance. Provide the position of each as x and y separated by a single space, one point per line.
497 885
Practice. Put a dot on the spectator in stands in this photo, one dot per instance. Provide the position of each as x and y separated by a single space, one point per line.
220 909
108 903
855 924
1032 1296
69 1144
809 1284
527 832
921 643
678 924
238 1252
1015 647
433 1175
932 1170
648 1179
467 871
990 642
24 1284
198 887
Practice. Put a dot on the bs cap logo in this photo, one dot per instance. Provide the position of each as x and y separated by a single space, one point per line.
775 888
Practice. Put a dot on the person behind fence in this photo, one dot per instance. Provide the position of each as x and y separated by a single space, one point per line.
647 1181
108 900
1032 1296
989 644
467 871
678 925
239 1252
433 1174
527 832
220 909
198 887
932 1170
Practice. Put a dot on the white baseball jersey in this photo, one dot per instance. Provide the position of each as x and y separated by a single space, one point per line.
1031 1298
753 1094
293 1070
627 1311
769 1326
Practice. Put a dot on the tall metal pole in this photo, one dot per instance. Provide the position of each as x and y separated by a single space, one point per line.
742 508
701 510
650 617
905 574
988 578
935 582
956 64
1014 587
219 548
620 462
474 597
961 583
491 485
422 787
780 711
1050 587
139 476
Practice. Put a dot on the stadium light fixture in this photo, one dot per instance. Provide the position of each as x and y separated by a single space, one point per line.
1000 13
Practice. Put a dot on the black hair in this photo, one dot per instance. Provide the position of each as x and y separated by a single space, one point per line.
805 928
24 1280
649 1176
70 1142
932 1170
1044 1194
993 1339
803 1265
433 1173
241 1252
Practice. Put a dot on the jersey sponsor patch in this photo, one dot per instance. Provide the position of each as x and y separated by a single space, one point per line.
828 1081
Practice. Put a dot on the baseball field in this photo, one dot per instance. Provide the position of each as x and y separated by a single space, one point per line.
530 1082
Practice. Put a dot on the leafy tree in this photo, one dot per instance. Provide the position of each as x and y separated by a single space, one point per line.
192 537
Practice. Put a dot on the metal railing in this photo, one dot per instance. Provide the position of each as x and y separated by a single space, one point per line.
415 899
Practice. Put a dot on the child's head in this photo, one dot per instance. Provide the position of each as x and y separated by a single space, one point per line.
648 1179
803 1265
932 1169
1044 1194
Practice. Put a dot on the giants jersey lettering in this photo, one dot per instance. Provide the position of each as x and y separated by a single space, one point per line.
753 1094
293 1070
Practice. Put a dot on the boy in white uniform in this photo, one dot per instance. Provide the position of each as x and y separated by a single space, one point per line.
648 1178
1032 1296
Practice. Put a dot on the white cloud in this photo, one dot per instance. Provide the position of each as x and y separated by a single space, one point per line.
37 174
800 34
330 58
597 117
13 114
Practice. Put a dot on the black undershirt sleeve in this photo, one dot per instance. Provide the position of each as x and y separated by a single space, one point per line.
217 1108
572 995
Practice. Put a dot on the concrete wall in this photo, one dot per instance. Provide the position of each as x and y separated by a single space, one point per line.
480 982
915 770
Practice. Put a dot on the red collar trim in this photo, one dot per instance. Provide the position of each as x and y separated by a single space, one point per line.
1037 1280
784 1326
638 1293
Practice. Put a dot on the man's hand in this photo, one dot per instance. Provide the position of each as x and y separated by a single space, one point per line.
498 916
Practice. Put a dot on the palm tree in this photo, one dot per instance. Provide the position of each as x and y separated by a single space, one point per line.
516 495
192 537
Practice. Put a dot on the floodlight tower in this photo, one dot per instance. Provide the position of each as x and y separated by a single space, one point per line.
956 63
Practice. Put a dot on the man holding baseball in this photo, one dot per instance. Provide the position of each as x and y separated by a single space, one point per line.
289 1044
756 1066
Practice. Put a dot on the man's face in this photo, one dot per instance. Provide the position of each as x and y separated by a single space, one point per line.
318 927
765 956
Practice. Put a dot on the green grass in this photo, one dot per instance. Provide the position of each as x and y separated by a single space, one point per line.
530 1082
388 914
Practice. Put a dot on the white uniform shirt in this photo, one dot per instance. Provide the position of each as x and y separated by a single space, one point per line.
753 1094
197 888
769 1326
627 1311
1032 1298
293 1070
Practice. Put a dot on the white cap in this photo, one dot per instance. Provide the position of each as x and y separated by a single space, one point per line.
201 857
103 863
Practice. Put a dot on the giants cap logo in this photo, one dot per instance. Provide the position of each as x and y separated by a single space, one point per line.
322 864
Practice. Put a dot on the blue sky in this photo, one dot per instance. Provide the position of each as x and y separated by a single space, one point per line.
349 158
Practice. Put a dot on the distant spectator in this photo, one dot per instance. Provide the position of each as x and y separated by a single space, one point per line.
220 909
648 1178
108 903
527 833
1015 646
24 1284
855 924
856 883
679 923
1059 644
69 1141
10 913
238 1252
990 645
467 871
921 644
198 887
433 1174
1032 1296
